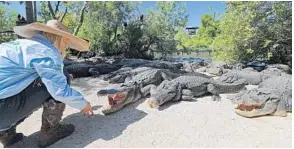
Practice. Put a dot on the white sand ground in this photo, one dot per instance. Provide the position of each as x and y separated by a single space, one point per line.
186 124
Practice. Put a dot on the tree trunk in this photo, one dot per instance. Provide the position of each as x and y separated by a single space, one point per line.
35 11
29 11
81 20
51 10
57 7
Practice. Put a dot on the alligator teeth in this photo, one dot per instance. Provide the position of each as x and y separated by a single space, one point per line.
252 113
236 106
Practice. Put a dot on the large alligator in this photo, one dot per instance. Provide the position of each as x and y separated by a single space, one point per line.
251 77
272 97
188 87
86 70
124 74
137 88
214 68
131 68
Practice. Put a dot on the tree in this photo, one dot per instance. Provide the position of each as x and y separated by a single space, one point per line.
163 24
81 20
104 21
7 18
255 31
29 11
7 21
47 12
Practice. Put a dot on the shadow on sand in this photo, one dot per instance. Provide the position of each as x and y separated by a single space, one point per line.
91 129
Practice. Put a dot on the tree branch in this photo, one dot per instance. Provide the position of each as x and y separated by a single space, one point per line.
56 7
4 2
81 20
51 10
62 17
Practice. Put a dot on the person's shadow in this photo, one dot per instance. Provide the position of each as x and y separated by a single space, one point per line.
91 129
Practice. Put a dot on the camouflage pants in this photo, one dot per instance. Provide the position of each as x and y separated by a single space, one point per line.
14 109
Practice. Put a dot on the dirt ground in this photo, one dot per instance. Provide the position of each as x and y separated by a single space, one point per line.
204 123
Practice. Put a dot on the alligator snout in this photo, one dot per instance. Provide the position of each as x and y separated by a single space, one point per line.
153 104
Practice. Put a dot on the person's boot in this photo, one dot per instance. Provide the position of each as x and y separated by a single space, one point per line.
51 130
10 137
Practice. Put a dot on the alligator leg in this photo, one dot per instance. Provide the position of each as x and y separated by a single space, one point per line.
215 95
165 76
120 78
187 95
146 90
94 72
281 109
128 78
106 77
179 93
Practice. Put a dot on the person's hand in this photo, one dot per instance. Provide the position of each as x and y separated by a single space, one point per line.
71 77
88 110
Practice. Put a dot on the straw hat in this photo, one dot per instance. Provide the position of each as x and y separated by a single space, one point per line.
53 27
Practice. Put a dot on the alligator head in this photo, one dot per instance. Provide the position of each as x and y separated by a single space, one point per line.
256 102
120 97
166 91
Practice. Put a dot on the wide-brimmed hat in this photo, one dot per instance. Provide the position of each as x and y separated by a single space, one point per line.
53 27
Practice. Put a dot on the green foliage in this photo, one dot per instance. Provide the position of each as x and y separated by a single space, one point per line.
204 36
164 24
7 22
71 21
104 21
255 30
44 12
7 18
165 19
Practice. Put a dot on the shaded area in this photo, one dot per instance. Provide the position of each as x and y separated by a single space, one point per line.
91 129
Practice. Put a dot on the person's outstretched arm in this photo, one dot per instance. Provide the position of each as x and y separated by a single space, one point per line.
54 79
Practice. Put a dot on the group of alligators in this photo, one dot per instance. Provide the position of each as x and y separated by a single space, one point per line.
166 82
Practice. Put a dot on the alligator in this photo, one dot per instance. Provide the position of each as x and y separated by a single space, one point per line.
68 62
134 63
131 69
214 68
277 69
186 88
278 82
137 88
124 74
282 67
272 97
263 101
251 77
193 66
78 70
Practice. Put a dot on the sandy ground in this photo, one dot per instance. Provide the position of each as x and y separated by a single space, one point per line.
185 124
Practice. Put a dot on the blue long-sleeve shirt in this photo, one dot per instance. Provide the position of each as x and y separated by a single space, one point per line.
24 60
